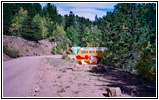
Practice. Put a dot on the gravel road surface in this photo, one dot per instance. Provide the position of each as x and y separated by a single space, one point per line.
18 74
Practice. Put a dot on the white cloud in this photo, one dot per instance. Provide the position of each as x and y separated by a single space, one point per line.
87 5
62 11
87 10
88 13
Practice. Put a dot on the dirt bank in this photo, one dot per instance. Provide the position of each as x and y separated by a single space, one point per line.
28 48
6 57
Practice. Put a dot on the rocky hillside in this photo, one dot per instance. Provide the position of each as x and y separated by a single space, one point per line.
26 47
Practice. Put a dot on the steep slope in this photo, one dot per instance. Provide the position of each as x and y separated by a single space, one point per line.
28 48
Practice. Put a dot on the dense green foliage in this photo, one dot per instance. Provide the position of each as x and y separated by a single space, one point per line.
129 32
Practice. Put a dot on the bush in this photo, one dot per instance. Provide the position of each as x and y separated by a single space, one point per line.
65 57
59 49
68 51
10 52
146 66
53 50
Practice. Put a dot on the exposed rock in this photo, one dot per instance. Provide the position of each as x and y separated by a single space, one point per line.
113 92
37 89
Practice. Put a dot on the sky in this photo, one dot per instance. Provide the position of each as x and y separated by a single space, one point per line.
87 10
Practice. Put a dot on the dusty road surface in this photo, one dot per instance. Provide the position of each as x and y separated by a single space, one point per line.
19 74
51 76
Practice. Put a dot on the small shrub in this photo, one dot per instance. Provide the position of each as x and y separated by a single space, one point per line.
5 47
68 51
53 50
65 57
14 53
10 52
59 49
145 68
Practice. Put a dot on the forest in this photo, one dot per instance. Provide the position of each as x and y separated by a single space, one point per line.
129 32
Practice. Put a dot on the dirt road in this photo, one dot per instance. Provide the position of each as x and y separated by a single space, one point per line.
19 74
51 76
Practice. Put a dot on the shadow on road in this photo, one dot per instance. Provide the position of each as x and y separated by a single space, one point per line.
129 84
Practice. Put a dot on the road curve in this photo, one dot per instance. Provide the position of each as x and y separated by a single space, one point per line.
18 74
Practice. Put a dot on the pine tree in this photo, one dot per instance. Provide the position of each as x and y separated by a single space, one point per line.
72 34
38 8
17 22
70 20
44 28
27 28
32 29
50 25
9 11
58 35
37 28
51 11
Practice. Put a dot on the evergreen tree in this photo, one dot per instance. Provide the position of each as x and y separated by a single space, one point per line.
51 11
32 29
70 20
51 26
9 11
27 28
17 22
125 32
37 28
72 34
58 35
44 28
38 9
